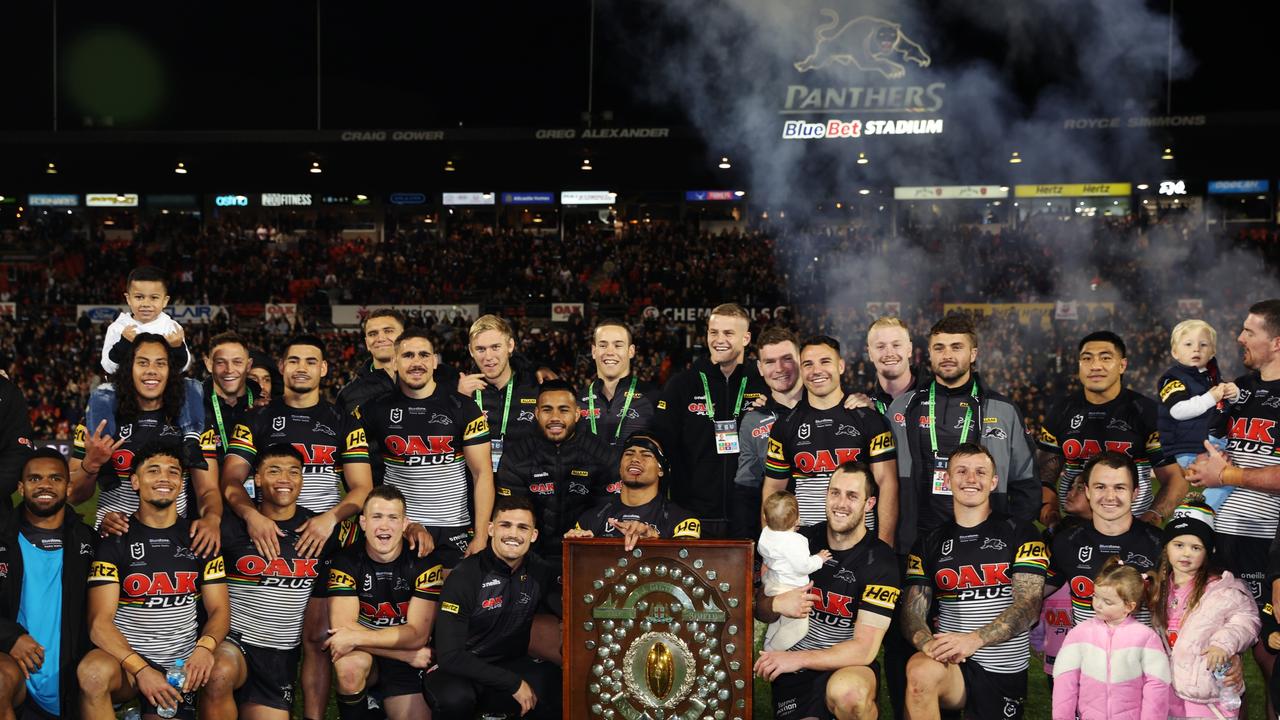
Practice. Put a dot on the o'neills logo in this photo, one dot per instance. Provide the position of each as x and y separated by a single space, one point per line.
875 46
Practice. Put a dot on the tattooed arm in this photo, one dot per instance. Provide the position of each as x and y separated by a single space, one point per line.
1019 616
915 616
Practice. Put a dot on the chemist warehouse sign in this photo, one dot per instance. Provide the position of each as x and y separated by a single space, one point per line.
861 69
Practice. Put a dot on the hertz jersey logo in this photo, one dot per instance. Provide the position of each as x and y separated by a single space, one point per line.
691 528
449 607
881 443
215 569
479 426
432 579
775 450
578 473
339 580
1171 387
356 438
885 596
528 401
1153 441
100 570
80 436
504 491
1047 438
206 439
662 404
242 432
915 566
1034 550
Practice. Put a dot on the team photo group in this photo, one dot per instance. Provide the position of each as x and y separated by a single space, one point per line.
247 546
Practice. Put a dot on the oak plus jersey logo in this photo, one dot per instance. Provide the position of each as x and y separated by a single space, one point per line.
868 43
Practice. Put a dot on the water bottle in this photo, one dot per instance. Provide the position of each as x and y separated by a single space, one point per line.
1228 697
177 677
132 713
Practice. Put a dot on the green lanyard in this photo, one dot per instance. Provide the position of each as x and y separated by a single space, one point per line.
880 407
506 406
933 420
626 407
711 409
217 416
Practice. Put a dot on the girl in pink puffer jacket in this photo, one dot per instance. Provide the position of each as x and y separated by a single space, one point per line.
1204 615
1112 667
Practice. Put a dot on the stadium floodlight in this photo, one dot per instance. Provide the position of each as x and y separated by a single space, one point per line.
1143 186
862 158
586 164
724 163
315 168
51 169
1168 154
1015 158
1004 188
864 191
739 193
181 169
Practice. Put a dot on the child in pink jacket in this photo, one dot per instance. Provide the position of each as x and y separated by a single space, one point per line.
1204 615
1112 667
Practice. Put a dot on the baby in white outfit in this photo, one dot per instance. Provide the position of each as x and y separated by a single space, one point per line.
787 565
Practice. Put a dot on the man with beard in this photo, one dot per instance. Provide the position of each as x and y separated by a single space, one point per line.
953 407
562 469
328 439
229 393
1246 524
819 434
639 512
47 552
889 348
431 440
1106 416
143 590
487 608
777 363
698 418
150 397
616 403
850 601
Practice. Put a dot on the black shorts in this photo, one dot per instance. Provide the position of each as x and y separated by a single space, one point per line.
803 694
186 709
991 694
271 674
396 677
1246 558
453 696
451 543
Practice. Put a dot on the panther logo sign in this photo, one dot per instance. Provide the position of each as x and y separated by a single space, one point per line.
870 44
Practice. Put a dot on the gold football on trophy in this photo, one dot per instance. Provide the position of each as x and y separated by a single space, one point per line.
659 668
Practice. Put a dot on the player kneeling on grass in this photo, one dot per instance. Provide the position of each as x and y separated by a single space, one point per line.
382 605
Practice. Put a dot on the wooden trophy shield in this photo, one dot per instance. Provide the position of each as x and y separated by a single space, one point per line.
662 632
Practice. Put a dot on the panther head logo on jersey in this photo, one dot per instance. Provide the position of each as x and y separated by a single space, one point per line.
849 430
397 415
525 416
845 574
1272 402
1118 424
992 544
438 419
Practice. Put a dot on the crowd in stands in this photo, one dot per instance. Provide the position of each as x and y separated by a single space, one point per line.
826 277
